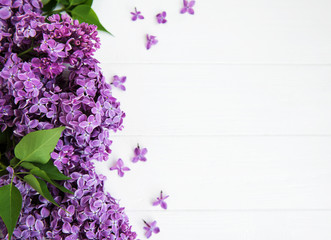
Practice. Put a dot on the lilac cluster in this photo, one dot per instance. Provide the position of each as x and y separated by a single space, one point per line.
49 78
88 214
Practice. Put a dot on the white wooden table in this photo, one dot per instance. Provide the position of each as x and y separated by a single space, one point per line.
233 104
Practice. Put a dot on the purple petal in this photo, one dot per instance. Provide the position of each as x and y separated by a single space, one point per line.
148 233
156 203
163 205
191 11
5 13
113 168
120 162
39 225
30 220
34 123
135 159
137 151
191 4
120 173
125 169
122 87
143 151
66 228
183 10
156 230
43 109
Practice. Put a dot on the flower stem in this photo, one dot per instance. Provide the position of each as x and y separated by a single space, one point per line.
26 51
3 166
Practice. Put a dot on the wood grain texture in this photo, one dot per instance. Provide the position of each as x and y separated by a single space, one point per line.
206 173
237 225
239 31
233 104
186 99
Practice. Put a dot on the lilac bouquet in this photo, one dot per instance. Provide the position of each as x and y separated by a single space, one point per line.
49 79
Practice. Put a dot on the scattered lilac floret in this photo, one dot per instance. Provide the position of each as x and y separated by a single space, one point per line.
151 228
119 81
161 18
188 7
119 166
139 154
136 15
151 40
160 201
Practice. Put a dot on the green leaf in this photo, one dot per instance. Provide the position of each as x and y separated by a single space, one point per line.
10 206
76 2
14 161
37 146
84 13
28 165
88 3
40 186
42 174
49 6
52 171
64 2
44 2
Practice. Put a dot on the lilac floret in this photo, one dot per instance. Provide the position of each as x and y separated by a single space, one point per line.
136 15
161 17
151 40
188 7
151 228
139 154
119 166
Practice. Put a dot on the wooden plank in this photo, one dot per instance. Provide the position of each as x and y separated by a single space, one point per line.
188 99
236 225
240 31
202 173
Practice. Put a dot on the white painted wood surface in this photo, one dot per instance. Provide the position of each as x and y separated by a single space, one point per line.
233 105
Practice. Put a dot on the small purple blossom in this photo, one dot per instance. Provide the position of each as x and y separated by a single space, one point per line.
136 15
89 124
151 40
188 7
151 228
119 81
119 166
160 201
161 17
139 154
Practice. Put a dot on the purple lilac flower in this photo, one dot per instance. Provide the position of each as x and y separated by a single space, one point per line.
139 154
188 7
160 201
151 228
136 15
119 166
161 17
62 86
151 40
119 81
